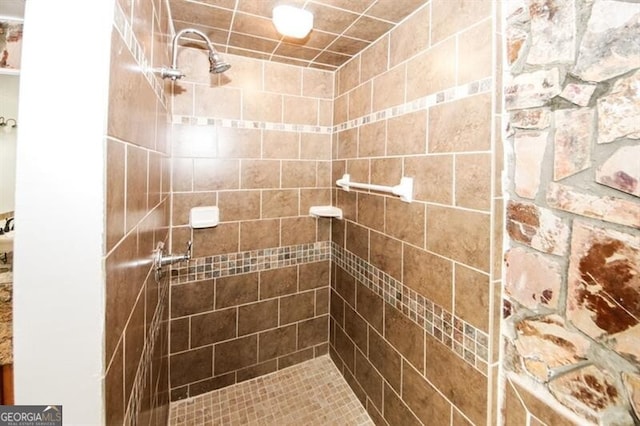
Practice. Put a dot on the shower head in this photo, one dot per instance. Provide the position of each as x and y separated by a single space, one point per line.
217 65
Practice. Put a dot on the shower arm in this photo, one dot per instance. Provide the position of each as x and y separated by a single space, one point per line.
174 73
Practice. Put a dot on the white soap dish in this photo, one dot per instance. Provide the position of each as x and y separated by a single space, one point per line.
325 211
204 217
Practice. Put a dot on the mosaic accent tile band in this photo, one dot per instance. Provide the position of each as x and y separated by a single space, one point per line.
248 124
451 94
123 25
250 261
468 342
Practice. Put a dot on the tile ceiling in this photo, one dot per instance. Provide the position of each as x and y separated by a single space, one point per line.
341 28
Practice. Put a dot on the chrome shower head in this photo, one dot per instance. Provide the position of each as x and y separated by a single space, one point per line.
217 65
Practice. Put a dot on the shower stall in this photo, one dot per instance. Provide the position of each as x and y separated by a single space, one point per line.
390 306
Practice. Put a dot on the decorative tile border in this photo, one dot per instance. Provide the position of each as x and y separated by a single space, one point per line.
467 341
122 24
204 268
247 124
451 94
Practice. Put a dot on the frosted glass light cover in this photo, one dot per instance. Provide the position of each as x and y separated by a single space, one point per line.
292 22
204 217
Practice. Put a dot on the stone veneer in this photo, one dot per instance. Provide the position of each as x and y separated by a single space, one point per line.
572 288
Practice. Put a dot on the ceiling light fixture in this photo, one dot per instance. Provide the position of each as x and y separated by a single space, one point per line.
292 22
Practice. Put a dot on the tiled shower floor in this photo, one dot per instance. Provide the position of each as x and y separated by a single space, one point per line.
311 393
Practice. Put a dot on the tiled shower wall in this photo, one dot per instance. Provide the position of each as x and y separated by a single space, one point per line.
137 217
415 288
572 290
256 142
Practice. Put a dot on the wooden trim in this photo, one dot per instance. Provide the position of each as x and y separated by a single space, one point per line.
7 384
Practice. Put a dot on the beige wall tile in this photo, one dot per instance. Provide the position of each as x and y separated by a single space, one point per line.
278 342
432 177
281 78
297 307
238 205
432 71
193 141
280 145
238 143
462 384
259 234
388 88
236 290
211 241
358 170
473 249
136 186
298 174
213 175
474 53
299 230
429 275
407 134
257 316
472 297
348 143
348 76
374 59
191 366
386 254
341 109
372 139
358 240
386 171
360 101
262 106
371 211
422 397
245 73
317 83
405 221
280 203
410 37
298 110
131 100
451 16
473 181
405 336
260 174
315 146
325 112
235 354
218 102
447 133
213 327
115 214
386 360
314 197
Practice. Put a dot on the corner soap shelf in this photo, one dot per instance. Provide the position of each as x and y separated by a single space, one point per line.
325 211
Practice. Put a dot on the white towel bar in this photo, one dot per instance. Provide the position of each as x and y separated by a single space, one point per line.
404 189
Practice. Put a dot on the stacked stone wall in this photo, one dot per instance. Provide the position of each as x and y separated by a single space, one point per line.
572 283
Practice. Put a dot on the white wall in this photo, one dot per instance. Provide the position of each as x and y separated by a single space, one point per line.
58 274
8 109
